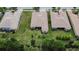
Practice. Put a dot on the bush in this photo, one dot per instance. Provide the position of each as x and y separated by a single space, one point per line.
2 45
33 42
75 44
4 35
53 45
58 45
64 37
44 36
11 44
69 44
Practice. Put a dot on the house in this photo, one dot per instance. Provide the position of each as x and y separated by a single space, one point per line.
45 8
10 21
60 20
74 19
40 20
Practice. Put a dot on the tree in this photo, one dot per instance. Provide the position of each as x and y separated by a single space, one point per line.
36 9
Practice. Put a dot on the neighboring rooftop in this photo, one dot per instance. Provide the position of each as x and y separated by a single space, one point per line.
60 20
10 20
39 19
74 21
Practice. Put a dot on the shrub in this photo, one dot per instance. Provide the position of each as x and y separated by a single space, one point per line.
2 45
11 44
4 35
45 44
69 44
33 42
64 37
44 36
75 44
53 45
58 45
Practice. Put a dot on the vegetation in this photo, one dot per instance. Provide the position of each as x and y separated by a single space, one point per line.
53 45
3 9
13 9
75 44
75 10
56 9
36 9
32 40
10 44
64 37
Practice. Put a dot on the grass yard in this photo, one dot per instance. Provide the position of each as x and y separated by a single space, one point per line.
24 33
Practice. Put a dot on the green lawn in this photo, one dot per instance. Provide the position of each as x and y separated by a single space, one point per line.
24 33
